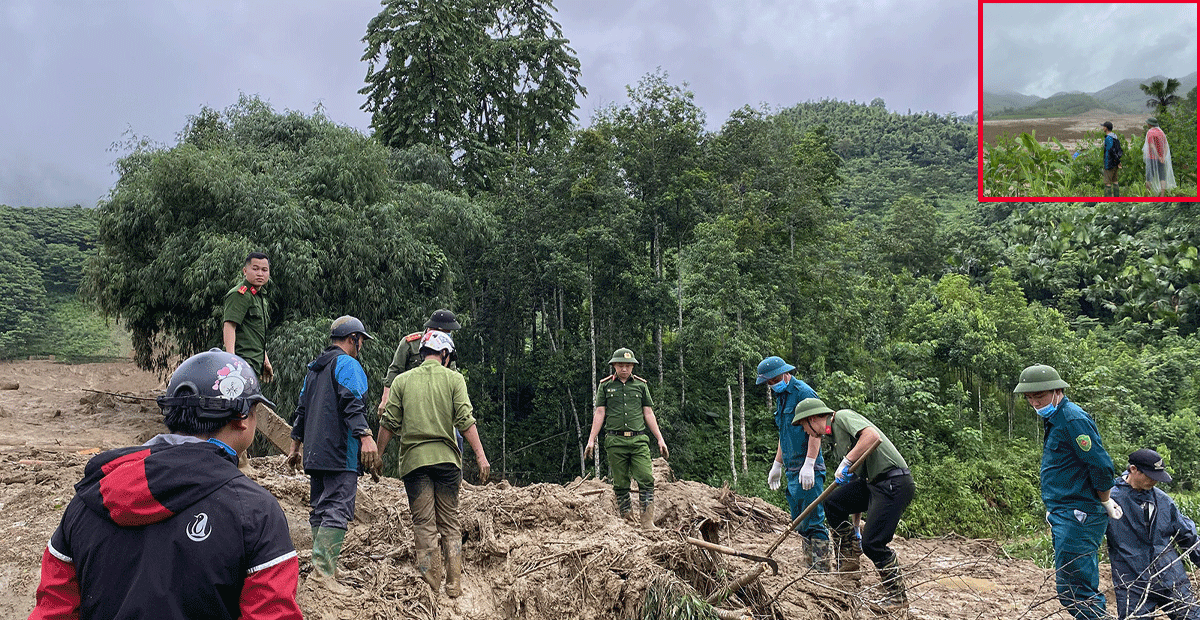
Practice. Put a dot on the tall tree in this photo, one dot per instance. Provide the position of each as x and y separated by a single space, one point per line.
659 137
1162 94
479 79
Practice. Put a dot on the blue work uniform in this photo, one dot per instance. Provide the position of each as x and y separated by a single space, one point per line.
794 443
1075 466
1147 571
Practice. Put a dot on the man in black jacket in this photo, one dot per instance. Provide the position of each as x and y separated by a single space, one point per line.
171 529
330 425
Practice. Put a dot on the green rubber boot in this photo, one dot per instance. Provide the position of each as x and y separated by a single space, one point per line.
327 546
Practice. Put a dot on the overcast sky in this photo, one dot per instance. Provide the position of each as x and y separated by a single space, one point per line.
79 75
1043 49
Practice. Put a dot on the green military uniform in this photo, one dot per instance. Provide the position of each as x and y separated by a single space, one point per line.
847 424
625 437
424 408
407 357
249 308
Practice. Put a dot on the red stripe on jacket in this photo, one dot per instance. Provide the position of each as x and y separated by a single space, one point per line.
126 492
270 593
58 592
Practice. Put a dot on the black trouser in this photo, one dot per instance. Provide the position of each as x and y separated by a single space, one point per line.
884 500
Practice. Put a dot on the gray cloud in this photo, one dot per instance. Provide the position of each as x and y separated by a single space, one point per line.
79 74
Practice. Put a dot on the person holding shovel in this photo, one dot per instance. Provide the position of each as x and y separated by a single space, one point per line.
1076 479
797 457
882 487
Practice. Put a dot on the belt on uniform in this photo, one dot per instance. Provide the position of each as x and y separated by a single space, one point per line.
627 433
891 473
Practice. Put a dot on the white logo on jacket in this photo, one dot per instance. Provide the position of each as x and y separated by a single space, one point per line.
198 529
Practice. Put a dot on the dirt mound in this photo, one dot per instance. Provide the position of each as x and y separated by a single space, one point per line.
541 552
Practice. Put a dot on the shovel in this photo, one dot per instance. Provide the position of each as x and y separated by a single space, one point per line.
833 486
729 551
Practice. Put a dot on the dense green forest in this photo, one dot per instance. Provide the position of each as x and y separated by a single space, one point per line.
840 236
42 255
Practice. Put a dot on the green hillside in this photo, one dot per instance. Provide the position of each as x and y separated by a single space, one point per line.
1062 104
997 102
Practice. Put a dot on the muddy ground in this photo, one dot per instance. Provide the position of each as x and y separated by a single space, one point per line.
1070 130
541 552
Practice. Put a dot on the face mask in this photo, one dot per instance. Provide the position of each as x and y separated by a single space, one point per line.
1047 410
780 387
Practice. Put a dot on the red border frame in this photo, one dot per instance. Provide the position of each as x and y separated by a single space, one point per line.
979 114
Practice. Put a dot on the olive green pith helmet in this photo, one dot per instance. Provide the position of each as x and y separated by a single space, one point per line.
623 356
808 408
444 320
1039 378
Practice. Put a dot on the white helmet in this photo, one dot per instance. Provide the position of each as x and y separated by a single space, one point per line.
437 341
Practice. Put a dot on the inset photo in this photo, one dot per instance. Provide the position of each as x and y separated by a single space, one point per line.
1088 100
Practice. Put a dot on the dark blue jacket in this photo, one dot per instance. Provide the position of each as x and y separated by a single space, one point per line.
330 414
1142 544
1110 140
1075 465
792 439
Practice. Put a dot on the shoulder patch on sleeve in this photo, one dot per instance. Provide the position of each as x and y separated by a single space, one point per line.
413 336
1085 442
242 289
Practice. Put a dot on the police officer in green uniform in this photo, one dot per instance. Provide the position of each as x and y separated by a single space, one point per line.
247 314
883 488
408 354
625 409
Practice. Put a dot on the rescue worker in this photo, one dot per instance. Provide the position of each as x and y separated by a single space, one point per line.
1076 477
797 457
625 409
882 487
408 352
424 408
1144 546
171 529
247 314
333 443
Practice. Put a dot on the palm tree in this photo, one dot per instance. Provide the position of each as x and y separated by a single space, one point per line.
1161 95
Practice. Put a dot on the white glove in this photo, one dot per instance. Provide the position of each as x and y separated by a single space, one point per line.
1113 508
776 474
807 477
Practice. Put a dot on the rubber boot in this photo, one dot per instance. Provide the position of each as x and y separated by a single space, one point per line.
1116 190
429 570
848 550
625 506
327 546
891 577
819 554
648 517
452 553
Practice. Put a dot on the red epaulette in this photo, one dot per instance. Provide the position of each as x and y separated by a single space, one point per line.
639 378
413 336
242 289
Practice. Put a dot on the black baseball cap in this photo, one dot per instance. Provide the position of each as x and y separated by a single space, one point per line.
1150 463
1107 125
